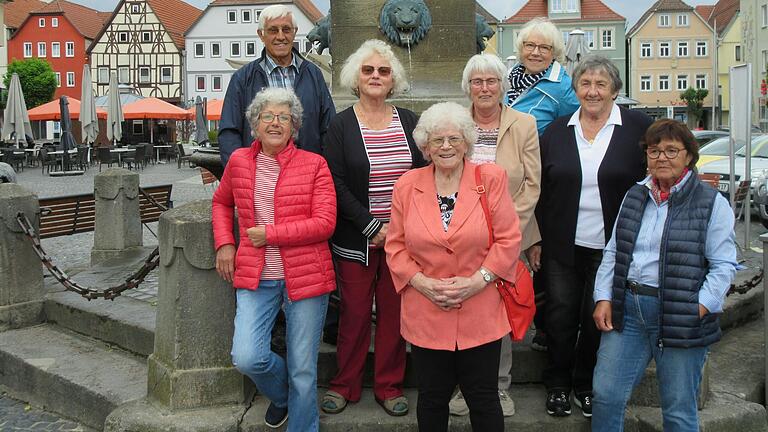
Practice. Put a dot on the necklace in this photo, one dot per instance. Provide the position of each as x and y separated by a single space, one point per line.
370 123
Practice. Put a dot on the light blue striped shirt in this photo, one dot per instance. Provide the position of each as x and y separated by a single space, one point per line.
279 76
720 251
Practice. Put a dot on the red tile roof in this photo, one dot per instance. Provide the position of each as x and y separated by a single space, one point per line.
660 6
704 11
18 10
591 10
306 6
87 21
176 16
723 12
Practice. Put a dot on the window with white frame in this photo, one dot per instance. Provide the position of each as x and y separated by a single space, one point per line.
146 37
135 8
199 49
245 15
231 16
58 78
565 6
250 49
664 48
663 20
103 75
216 83
54 22
682 82
682 20
70 79
645 83
663 82
41 22
682 49
646 49
41 49
764 14
123 75
589 36
606 38
215 49
122 37
764 66
702 48
27 49
69 49
737 52
143 74
200 83
701 81
257 13
234 49
166 74
55 49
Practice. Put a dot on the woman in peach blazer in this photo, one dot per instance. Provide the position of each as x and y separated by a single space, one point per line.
443 267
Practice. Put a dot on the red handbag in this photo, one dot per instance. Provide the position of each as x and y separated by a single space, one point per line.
518 295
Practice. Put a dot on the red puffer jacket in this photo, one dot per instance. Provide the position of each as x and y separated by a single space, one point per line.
305 217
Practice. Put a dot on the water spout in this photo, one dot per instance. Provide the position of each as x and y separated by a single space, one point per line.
410 72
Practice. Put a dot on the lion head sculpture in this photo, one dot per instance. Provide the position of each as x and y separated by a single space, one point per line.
405 22
483 32
321 34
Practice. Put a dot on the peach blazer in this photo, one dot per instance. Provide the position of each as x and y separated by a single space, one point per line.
417 242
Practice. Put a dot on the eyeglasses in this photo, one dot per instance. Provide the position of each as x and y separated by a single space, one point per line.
438 142
268 117
490 82
531 47
383 70
670 153
273 31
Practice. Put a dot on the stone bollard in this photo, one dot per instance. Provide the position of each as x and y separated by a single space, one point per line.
21 273
191 366
118 221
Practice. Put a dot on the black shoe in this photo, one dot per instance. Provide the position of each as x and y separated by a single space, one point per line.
275 417
585 403
558 404
539 341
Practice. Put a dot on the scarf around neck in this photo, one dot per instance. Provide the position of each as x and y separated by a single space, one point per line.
660 196
519 81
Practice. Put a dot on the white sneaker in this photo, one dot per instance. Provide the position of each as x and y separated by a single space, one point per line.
507 404
458 406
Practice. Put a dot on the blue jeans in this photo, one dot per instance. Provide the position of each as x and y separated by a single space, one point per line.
621 362
292 382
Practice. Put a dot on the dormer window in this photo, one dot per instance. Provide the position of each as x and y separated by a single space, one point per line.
664 20
564 6
682 20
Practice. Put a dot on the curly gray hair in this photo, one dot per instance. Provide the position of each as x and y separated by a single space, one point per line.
275 96
350 73
441 116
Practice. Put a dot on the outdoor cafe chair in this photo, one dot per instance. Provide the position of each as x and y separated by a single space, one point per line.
82 157
137 159
105 157
181 156
47 160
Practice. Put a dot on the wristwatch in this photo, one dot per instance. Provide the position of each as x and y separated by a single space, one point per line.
487 276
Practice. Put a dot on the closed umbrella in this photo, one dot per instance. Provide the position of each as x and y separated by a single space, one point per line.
575 51
67 140
201 124
114 112
16 117
88 117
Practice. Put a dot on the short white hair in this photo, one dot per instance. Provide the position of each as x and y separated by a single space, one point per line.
485 64
275 96
441 116
273 12
545 29
350 73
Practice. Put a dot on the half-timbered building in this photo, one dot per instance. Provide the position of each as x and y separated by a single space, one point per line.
143 43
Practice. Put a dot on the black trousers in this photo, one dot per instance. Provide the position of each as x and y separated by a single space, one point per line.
475 370
572 337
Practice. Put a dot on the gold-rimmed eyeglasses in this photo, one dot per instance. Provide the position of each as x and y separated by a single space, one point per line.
285 29
438 142
479 82
268 117
670 153
531 47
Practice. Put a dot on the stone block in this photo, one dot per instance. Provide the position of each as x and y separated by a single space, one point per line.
118 222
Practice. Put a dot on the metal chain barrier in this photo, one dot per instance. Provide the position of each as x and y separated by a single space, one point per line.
746 285
110 293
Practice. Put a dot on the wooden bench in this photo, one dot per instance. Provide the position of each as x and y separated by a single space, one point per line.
74 214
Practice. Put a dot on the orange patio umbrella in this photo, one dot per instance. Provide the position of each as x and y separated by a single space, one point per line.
214 109
154 108
52 111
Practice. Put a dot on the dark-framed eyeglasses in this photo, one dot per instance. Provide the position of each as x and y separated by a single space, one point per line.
531 47
273 31
268 117
438 142
670 153
383 70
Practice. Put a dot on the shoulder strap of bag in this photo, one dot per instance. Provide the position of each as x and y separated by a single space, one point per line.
480 188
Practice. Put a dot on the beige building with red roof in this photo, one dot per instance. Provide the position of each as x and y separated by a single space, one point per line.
603 28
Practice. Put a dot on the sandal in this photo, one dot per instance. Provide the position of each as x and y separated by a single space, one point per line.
397 406
333 403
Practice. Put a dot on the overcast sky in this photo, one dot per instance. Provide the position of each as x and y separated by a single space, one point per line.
499 8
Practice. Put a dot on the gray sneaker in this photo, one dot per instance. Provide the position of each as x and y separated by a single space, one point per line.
458 406
507 404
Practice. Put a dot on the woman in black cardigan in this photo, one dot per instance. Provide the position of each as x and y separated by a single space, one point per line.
589 160
368 147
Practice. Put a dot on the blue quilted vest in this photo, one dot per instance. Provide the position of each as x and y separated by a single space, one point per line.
682 264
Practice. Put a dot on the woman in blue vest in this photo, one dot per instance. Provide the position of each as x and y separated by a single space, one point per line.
662 282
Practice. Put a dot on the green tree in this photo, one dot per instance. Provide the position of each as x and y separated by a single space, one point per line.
38 81
694 98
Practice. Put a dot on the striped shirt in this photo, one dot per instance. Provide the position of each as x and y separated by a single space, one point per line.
389 157
485 148
279 76
267 171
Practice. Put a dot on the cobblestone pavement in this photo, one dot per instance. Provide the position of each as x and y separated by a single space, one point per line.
19 416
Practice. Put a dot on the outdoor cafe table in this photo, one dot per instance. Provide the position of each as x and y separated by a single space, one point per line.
157 151
120 152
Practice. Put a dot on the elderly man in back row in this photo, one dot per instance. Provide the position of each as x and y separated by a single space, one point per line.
280 65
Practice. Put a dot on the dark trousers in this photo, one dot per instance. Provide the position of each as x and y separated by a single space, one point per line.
540 291
572 336
475 371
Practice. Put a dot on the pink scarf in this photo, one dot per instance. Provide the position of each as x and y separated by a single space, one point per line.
660 196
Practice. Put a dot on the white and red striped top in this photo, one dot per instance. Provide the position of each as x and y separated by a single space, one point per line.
267 171
389 157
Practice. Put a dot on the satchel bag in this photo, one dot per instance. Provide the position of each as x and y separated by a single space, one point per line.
518 296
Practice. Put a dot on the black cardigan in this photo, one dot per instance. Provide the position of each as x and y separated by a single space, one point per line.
348 161
623 165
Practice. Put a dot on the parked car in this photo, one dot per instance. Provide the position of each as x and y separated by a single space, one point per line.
722 167
718 149
760 197
706 136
